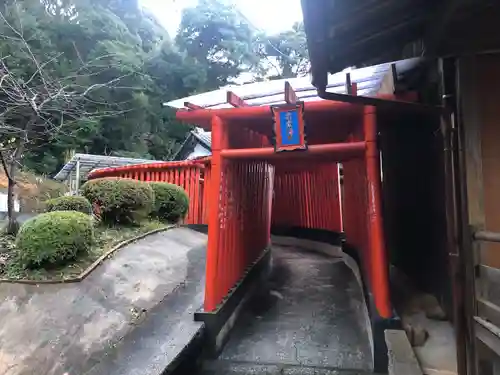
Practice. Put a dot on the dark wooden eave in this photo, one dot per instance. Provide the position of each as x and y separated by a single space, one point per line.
347 33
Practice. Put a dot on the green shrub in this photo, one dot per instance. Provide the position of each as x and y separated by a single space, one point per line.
70 203
120 200
53 238
171 202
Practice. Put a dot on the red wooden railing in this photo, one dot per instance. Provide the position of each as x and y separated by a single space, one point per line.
292 204
307 196
243 222
193 176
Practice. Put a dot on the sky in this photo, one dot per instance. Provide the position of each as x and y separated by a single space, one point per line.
271 16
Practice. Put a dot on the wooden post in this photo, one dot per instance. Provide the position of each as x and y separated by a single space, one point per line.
235 100
378 257
212 285
348 85
290 95
192 106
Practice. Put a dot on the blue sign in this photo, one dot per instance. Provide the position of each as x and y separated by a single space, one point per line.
289 128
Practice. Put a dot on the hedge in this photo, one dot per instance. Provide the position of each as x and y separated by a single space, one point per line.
171 202
120 200
70 203
53 238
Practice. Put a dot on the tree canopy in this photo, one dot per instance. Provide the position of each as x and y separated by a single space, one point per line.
91 75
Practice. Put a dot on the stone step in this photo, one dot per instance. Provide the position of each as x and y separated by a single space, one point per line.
220 367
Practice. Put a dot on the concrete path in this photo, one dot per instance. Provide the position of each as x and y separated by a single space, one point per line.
77 329
306 323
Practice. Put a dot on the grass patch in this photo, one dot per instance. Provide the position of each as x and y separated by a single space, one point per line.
105 239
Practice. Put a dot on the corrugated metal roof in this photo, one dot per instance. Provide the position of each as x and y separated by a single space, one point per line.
368 81
88 162
204 137
194 137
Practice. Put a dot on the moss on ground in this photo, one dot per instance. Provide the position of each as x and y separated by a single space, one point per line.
106 237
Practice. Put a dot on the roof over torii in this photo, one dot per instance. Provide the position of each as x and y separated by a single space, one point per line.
369 82
374 86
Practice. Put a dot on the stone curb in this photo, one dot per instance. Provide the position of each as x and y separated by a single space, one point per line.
93 266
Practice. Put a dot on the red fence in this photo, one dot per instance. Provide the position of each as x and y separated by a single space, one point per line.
243 224
354 203
304 198
192 176
307 197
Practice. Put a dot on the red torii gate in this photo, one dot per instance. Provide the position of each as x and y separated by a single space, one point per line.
247 186
244 164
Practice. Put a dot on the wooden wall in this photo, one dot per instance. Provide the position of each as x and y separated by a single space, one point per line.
414 204
489 105
480 90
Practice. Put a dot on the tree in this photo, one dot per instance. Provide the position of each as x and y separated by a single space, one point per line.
216 36
129 43
283 55
123 53
41 96
163 74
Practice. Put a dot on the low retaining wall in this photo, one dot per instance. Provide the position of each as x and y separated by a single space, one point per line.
219 323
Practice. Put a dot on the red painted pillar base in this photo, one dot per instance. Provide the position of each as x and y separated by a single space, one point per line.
378 257
211 286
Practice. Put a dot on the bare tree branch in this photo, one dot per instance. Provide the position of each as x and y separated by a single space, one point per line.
6 168
37 109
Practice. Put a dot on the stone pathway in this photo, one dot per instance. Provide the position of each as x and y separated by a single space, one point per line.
148 289
306 321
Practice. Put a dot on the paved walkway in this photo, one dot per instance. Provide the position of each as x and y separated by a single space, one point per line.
77 329
307 322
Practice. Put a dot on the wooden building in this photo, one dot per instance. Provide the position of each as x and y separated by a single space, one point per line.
441 170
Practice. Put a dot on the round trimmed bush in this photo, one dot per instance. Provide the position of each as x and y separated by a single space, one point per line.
120 200
171 202
69 203
54 238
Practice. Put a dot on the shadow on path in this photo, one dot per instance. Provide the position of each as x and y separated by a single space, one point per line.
304 318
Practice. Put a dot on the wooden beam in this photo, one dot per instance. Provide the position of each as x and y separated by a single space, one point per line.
389 81
354 89
472 122
394 74
339 151
339 102
378 102
235 100
488 311
348 84
290 95
488 333
192 106
487 236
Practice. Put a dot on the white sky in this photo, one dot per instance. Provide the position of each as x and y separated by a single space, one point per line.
271 16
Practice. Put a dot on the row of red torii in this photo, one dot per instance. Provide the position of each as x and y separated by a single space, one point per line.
279 166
